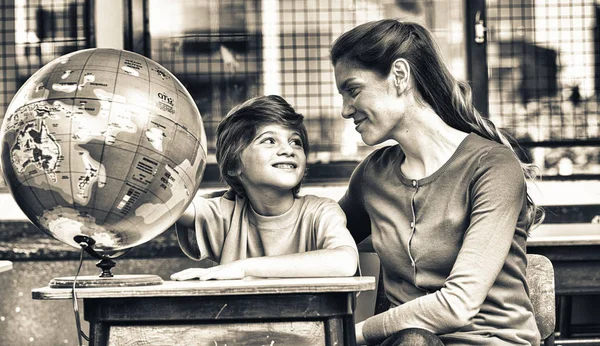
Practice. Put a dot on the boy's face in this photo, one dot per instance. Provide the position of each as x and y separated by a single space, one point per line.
273 160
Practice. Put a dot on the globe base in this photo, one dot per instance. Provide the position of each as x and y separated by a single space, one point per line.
113 281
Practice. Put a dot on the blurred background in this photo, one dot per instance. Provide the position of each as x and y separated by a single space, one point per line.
534 67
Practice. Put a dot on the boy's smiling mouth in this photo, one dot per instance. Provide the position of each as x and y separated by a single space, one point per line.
285 165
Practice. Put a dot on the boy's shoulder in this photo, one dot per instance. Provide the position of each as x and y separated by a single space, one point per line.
318 204
314 199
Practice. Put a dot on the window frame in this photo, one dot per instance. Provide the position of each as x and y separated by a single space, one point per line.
137 35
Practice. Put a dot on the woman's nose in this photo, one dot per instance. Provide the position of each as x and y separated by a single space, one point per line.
347 110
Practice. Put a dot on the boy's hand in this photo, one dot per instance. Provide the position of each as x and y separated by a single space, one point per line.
231 271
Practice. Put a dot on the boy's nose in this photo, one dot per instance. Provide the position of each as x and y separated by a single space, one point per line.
285 149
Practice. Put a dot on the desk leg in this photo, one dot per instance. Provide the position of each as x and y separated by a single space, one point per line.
98 334
564 316
334 332
340 331
349 331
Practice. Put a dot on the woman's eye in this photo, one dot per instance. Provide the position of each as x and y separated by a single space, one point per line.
296 142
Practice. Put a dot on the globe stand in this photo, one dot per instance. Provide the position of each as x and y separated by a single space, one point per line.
106 277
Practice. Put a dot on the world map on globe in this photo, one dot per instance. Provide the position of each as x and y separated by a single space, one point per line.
103 143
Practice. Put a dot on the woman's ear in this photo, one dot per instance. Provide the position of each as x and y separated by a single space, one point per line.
401 74
234 172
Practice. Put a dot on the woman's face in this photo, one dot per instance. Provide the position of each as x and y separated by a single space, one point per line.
370 100
274 160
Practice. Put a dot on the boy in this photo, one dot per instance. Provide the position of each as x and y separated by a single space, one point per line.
261 227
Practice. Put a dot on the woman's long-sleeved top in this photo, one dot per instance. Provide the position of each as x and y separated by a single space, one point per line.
452 245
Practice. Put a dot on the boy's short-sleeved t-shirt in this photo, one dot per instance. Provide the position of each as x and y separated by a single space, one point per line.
227 229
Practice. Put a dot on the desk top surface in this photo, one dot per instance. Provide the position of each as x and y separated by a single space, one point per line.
565 234
5 266
216 287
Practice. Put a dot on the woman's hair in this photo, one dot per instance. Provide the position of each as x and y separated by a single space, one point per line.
239 128
376 45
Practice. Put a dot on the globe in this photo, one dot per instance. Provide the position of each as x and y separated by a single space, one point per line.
105 144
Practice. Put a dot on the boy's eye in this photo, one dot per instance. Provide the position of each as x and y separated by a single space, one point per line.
268 140
296 142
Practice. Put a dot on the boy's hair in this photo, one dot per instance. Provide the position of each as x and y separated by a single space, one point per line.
237 130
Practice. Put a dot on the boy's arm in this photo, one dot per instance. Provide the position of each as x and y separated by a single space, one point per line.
186 220
191 228
340 261
186 233
336 253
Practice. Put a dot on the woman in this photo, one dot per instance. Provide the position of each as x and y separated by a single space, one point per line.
447 207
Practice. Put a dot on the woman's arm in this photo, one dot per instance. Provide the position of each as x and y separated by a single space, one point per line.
358 331
340 261
359 223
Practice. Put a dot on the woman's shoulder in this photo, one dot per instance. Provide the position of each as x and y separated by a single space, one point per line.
489 155
378 164
483 148
383 156
387 151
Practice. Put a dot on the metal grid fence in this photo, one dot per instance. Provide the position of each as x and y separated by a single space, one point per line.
544 64
542 58
226 51
213 47
35 32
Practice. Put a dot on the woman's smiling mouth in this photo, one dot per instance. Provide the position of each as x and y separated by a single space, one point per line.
357 123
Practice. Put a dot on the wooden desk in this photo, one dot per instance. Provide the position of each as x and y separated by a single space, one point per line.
5 266
565 234
574 250
315 311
